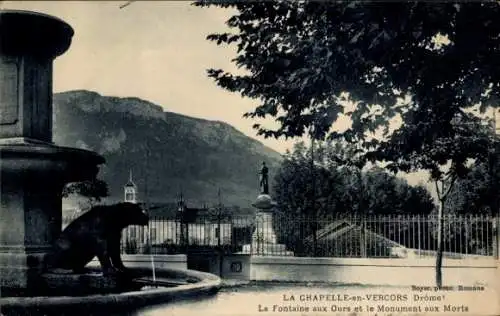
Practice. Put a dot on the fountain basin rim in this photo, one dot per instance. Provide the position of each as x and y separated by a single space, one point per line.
207 283
46 150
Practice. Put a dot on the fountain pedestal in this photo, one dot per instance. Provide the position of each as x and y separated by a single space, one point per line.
33 171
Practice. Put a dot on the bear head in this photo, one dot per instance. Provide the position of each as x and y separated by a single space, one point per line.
132 213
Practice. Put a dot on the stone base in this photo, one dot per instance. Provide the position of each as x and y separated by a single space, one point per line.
121 303
264 231
64 282
33 176
266 249
81 283
20 270
20 277
264 236
264 239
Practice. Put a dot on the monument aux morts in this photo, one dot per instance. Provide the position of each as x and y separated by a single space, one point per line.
264 241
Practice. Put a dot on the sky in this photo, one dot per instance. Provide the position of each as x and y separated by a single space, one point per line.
156 51
153 50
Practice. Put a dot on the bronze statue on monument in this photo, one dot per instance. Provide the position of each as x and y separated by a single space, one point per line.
264 200
264 179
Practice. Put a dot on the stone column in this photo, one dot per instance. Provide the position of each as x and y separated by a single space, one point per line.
33 171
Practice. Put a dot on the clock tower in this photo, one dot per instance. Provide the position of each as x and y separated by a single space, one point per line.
130 190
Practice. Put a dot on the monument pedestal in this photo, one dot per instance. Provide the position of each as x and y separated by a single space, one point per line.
33 171
264 231
264 241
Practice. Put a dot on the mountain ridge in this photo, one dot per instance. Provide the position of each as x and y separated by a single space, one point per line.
166 151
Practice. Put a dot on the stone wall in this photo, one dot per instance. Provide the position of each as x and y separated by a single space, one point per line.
391 272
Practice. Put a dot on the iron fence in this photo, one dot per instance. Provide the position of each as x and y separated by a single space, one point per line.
343 235
394 236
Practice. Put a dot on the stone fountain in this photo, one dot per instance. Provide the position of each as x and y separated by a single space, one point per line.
33 172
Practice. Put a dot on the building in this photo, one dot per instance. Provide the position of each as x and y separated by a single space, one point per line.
174 224
130 190
341 239
168 229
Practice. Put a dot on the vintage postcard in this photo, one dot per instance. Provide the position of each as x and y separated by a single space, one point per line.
249 158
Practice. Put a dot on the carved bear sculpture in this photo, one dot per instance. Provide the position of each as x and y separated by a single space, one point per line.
96 233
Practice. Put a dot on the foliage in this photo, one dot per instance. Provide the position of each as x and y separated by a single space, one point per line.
93 190
478 192
424 63
339 189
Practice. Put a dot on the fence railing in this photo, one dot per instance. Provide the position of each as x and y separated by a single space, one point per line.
392 236
343 235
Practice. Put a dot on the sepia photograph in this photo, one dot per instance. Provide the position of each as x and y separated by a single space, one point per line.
250 157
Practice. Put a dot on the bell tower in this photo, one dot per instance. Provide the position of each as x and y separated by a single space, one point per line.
130 190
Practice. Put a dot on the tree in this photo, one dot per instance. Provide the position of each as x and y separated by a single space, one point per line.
445 158
337 191
478 192
302 59
426 64
92 190
294 190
